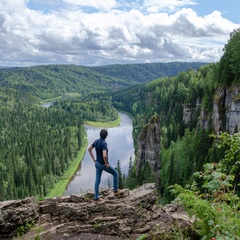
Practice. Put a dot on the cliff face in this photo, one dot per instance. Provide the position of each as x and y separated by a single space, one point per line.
149 144
78 217
232 110
225 115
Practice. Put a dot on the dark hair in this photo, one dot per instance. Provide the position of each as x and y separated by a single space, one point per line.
103 133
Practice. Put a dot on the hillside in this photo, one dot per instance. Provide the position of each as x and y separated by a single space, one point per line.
191 107
146 72
54 80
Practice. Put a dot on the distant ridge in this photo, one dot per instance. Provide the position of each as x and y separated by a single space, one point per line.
47 81
146 72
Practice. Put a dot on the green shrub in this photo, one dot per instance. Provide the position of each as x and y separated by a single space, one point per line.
215 205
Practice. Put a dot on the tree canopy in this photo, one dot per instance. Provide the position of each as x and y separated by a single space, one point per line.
229 68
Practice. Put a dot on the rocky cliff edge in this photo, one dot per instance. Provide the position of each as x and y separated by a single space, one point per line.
128 216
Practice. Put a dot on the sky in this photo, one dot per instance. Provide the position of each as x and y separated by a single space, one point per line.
103 32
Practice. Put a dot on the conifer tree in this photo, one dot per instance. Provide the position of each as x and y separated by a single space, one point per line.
120 176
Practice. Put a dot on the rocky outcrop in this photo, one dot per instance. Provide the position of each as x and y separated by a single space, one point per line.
218 115
226 110
78 217
224 116
14 214
190 112
232 110
149 144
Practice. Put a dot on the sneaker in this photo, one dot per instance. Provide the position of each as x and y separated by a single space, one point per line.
97 200
118 192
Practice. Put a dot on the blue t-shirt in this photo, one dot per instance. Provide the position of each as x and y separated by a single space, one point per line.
99 146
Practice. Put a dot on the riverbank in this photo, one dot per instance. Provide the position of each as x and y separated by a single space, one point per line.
61 185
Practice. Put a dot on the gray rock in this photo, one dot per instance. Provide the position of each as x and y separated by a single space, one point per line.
149 144
134 213
14 214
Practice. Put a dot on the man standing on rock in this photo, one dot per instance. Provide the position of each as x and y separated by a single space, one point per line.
101 163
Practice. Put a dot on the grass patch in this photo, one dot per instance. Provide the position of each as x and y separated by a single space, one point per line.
72 95
60 187
50 99
110 124
66 95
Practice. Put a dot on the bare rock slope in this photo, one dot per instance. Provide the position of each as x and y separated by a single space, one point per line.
128 216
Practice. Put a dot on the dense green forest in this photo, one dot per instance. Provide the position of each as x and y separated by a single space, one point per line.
199 169
49 81
185 146
38 144
92 109
44 82
184 149
147 72
167 97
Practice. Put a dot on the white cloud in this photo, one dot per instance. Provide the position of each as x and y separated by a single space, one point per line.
30 37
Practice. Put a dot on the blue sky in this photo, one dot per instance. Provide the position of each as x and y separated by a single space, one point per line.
100 32
228 8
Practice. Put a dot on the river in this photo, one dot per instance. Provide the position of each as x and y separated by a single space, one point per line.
120 145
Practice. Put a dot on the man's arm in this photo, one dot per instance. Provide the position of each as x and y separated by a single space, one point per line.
91 153
105 158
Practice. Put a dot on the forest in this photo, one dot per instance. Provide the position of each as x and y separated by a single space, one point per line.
38 144
185 146
199 167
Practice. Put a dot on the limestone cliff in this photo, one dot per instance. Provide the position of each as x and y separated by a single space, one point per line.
149 144
78 217
227 110
224 116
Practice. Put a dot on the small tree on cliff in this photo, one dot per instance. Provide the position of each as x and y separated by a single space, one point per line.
131 180
120 176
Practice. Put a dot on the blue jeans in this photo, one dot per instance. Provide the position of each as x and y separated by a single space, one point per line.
99 169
